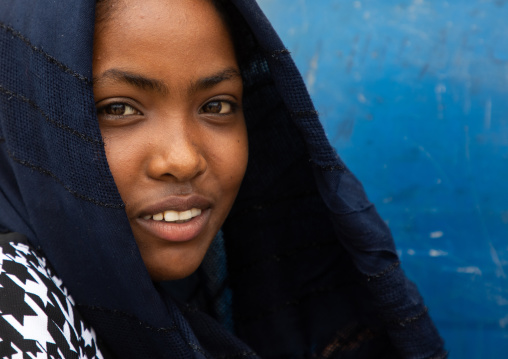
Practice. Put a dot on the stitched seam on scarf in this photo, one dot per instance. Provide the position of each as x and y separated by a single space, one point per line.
47 56
392 267
285 255
59 181
345 214
275 54
347 341
173 328
412 319
198 349
58 124
329 168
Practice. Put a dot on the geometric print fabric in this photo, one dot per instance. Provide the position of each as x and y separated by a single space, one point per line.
38 318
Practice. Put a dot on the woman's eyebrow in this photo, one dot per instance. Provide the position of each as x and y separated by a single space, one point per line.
159 86
136 80
214 79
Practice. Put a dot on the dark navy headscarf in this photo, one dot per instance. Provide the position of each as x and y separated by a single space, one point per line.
312 268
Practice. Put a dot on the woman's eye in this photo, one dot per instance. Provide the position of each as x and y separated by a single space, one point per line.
218 107
118 109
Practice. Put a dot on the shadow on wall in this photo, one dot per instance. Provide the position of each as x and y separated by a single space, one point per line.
413 94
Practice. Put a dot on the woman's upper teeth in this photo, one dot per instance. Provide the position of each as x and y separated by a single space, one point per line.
173 216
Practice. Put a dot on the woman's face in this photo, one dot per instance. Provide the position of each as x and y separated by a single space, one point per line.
168 93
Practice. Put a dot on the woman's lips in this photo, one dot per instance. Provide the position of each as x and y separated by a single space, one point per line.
173 216
174 231
176 218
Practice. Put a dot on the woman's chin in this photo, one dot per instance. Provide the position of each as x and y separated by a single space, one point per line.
163 274
172 268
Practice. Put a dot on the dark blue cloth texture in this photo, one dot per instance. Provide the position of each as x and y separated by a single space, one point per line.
305 267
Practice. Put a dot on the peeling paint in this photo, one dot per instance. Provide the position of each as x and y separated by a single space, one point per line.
469 270
436 234
488 114
501 301
504 217
497 262
503 322
437 253
467 141
311 74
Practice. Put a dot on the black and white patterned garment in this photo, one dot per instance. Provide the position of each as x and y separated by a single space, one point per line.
38 318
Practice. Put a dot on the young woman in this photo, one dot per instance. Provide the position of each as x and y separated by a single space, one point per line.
136 227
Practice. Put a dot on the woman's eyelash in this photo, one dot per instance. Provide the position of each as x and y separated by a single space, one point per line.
118 109
122 109
219 107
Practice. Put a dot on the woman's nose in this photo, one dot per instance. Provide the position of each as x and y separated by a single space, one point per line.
177 154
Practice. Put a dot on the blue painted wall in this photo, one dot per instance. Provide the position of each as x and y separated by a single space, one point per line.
414 96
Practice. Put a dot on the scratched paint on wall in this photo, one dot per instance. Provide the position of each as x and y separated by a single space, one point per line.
414 96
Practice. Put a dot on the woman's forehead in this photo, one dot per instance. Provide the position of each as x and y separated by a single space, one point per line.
164 39
119 9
